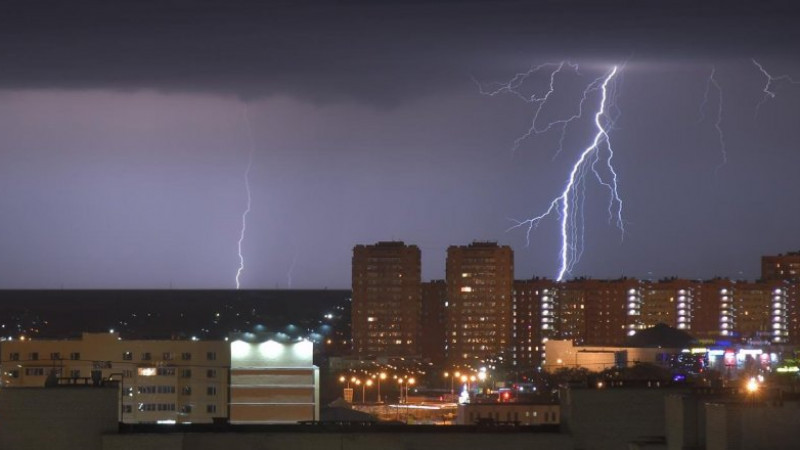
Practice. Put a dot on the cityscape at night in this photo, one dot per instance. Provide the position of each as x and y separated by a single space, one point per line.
560 224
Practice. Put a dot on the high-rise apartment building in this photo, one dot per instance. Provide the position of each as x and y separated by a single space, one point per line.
387 299
713 314
568 312
478 318
613 310
786 267
669 301
781 267
532 315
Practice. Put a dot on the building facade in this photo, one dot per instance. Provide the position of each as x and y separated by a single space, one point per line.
273 382
176 381
532 319
669 301
478 319
167 381
387 299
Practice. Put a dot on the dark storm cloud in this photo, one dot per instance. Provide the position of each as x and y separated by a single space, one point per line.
123 145
379 52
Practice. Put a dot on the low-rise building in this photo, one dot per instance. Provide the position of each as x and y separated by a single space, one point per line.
161 380
508 413
177 381
563 354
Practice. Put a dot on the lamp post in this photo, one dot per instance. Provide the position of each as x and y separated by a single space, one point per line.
348 391
364 390
451 376
400 382
382 376
358 383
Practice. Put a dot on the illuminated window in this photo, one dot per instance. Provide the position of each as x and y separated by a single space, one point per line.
147 371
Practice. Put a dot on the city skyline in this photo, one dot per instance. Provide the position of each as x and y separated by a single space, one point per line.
128 133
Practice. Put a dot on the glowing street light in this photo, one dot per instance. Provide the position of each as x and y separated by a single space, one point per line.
364 390
400 382
752 386
382 376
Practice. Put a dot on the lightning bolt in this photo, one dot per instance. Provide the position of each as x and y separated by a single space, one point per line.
768 92
712 82
568 206
539 99
249 196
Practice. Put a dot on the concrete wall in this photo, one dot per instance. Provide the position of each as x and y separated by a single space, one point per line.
343 441
59 418
611 418
752 426
685 421
525 414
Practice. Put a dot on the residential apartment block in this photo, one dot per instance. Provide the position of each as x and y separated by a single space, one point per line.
481 313
387 299
180 381
478 318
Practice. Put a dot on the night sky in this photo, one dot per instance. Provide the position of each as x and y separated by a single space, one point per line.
126 130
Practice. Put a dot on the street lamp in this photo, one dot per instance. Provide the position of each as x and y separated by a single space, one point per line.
452 377
400 382
347 391
364 391
752 388
382 376
358 383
